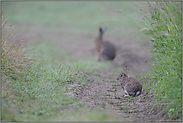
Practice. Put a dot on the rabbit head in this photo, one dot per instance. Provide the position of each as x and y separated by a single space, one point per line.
121 77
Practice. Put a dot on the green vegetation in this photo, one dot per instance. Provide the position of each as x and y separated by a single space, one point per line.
86 115
164 25
29 87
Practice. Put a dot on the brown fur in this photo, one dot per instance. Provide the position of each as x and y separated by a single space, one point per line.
129 84
105 49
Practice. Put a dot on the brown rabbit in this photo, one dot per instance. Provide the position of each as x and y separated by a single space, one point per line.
130 85
105 49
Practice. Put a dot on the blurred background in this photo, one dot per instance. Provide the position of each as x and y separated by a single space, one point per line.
72 27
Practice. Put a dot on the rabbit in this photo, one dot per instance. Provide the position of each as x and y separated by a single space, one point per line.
130 85
105 49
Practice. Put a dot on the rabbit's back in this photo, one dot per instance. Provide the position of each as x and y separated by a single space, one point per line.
108 50
133 86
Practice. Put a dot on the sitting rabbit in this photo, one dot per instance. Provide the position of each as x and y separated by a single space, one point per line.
130 85
105 49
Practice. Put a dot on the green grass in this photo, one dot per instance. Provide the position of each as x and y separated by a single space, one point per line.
40 93
35 93
164 25
85 115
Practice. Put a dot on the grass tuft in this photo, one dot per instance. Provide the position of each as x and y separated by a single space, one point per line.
14 62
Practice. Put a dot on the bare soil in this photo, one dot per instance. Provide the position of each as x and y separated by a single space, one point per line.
104 92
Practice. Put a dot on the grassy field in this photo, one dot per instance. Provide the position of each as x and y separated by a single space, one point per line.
58 53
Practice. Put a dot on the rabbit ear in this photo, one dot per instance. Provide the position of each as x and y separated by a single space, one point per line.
125 75
102 30
126 70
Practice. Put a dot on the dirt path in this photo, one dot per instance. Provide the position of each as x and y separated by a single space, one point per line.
100 93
